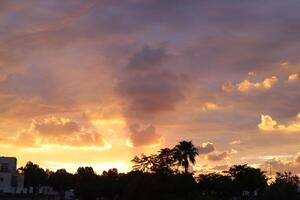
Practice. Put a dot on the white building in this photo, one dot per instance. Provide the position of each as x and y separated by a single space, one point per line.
10 180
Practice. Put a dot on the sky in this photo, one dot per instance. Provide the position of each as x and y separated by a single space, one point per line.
94 83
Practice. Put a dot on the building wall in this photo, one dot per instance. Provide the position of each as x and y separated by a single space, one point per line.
8 164
5 182
10 180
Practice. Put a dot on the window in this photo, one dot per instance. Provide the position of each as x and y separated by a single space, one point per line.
3 167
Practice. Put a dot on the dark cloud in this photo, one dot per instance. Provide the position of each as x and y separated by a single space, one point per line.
206 148
217 156
151 94
149 90
147 59
278 165
143 136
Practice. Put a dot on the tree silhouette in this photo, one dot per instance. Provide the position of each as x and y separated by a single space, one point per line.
34 176
155 177
246 178
285 186
61 181
144 163
185 153
86 183
163 162
217 186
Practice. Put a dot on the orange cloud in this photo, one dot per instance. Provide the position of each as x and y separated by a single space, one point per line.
228 87
278 165
61 131
234 142
146 136
269 124
247 85
210 106
293 77
55 126
267 83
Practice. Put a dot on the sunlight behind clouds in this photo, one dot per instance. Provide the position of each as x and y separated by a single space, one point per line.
269 124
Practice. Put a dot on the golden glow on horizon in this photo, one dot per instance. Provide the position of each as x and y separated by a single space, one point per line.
49 147
122 166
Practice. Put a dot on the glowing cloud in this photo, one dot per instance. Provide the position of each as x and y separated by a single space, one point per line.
228 87
58 131
293 77
247 85
269 124
267 83
251 73
235 142
210 106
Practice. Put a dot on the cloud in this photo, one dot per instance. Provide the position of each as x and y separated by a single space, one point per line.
251 74
293 77
218 156
146 88
51 63
143 136
58 131
210 106
220 167
206 148
147 59
150 94
266 84
228 87
278 165
235 142
55 126
247 85
268 124
24 139
284 65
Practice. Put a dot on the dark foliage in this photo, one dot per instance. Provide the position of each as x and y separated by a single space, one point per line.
216 186
61 181
164 176
245 178
168 161
34 176
286 186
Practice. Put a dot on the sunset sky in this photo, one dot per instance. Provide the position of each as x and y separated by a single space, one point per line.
93 83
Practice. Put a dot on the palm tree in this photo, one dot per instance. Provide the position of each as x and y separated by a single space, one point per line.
185 153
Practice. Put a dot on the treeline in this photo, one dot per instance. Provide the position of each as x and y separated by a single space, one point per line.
165 176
